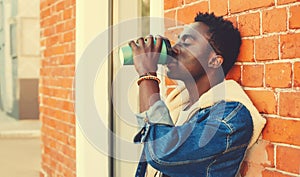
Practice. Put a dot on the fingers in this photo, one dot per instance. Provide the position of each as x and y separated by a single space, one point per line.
132 44
149 39
140 41
158 44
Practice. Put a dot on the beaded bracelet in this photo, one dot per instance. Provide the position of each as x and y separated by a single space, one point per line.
148 74
148 77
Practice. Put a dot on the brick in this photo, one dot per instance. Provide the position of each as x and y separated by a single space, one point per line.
68 59
68 13
279 75
57 50
45 13
65 128
241 5
59 82
289 45
253 170
234 73
252 75
51 41
249 24
60 137
288 159
51 20
187 14
173 34
170 19
69 152
49 31
219 7
289 104
266 48
233 20
72 141
268 173
70 24
169 4
282 131
49 121
67 71
261 153
58 93
190 1
60 6
274 20
60 27
280 2
244 168
70 3
246 50
263 100
297 74
45 3
68 172
69 36
71 47
270 151
61 115
294 17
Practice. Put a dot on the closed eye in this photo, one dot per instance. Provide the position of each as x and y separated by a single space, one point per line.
186 39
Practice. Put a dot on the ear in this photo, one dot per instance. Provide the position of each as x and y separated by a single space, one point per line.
215 61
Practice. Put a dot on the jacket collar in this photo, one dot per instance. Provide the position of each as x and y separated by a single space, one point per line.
229 91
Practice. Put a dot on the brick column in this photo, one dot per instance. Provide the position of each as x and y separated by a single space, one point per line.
57 20
268 68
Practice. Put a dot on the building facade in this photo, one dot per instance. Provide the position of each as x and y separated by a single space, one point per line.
19 58
268 68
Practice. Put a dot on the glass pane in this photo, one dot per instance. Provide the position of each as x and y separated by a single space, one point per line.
125 127
1 16
146 13
13 40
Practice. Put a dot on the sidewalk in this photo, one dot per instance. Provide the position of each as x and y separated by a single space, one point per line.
20 153
10 127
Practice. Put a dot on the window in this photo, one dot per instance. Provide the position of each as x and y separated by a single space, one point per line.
13 40
101 15
123 121
1 16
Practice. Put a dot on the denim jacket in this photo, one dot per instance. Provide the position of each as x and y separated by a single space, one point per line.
211 140
212 143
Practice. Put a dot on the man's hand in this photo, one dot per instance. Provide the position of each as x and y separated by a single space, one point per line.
145 59
146 54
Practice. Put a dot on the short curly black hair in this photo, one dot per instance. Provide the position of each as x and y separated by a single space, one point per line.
225 38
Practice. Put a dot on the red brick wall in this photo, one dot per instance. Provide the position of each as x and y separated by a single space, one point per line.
268 68
57 20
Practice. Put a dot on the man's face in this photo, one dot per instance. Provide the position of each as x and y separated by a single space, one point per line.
192 52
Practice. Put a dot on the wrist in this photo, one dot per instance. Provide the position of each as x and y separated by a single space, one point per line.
143 70
148 78
148 74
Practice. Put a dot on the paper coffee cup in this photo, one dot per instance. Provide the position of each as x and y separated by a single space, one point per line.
126 57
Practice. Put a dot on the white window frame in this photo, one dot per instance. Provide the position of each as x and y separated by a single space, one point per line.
91 19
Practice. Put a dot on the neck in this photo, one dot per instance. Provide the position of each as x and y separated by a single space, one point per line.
197 88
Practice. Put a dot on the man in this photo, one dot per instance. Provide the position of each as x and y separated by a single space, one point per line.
217 123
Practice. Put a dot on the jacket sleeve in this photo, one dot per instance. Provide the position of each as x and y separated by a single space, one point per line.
158 114
203 138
